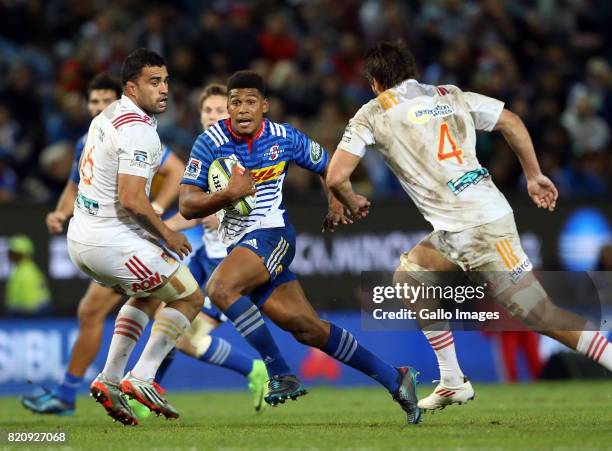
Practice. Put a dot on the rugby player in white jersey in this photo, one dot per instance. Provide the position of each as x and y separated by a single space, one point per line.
98 301
113 236
427 137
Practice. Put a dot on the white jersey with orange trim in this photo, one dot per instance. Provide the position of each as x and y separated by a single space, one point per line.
121 140
427 136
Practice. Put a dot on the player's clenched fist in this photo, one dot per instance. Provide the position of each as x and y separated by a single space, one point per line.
178 243
359 206
55 222
241 183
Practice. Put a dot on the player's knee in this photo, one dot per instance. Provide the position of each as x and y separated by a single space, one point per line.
219 292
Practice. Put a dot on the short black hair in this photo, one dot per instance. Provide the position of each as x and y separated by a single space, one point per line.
246 79
389 62
136 61
104 81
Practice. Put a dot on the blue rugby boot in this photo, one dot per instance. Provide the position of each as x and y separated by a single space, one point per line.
406 395
281 388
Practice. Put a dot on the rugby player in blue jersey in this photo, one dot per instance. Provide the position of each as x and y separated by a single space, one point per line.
261 245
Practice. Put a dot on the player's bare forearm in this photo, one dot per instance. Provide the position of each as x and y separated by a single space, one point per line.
178 222
172 170
196 203
133 197
516 135
540 188
338 174
65 204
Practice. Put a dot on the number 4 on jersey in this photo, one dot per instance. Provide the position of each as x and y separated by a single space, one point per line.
444 137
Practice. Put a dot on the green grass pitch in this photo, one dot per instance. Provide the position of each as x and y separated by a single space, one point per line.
568 415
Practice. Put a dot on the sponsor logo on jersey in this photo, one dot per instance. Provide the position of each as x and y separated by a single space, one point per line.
147 284
316 152
87 205
468 179
139 159
192 171
421 114
274 152
268 173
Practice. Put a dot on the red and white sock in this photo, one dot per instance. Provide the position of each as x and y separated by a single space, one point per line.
169 325
595 346
129 325
443 344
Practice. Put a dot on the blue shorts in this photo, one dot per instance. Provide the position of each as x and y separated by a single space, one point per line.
277 248
202 267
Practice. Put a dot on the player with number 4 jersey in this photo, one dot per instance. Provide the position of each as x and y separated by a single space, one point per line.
427 136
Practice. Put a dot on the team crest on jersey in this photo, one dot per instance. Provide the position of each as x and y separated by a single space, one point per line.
274 152
421 114
193 169
316 152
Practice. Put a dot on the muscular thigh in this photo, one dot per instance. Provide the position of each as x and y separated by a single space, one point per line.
241 271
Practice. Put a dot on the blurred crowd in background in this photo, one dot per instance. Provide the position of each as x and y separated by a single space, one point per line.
549 60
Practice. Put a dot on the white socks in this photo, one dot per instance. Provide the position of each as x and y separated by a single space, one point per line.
167 328
129 325
443 344
595 346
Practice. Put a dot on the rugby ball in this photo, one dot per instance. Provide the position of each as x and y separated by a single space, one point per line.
218 178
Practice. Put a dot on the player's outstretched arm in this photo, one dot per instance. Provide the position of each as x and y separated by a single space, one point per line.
541 189
63 210
133 197
338 181
337 213
194 202
172 170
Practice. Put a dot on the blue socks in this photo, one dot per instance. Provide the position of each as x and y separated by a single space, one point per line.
248 321
67 390
221 353
342 346
163 367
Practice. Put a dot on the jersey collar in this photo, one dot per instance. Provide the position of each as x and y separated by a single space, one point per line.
241 138
131 105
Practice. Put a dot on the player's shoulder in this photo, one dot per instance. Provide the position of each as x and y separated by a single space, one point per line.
281 130
204 144
125 118
368 111
215 136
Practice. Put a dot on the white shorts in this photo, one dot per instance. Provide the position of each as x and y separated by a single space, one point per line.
491 254
135 267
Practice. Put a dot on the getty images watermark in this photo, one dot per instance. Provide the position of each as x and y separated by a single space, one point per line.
486 301
411 294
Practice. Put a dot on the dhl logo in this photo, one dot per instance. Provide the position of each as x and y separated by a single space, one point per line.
268 173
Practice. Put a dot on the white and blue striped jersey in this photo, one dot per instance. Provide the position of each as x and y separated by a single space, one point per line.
267 155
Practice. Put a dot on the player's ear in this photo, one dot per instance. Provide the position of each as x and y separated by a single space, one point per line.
266 105
130 88
376 86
